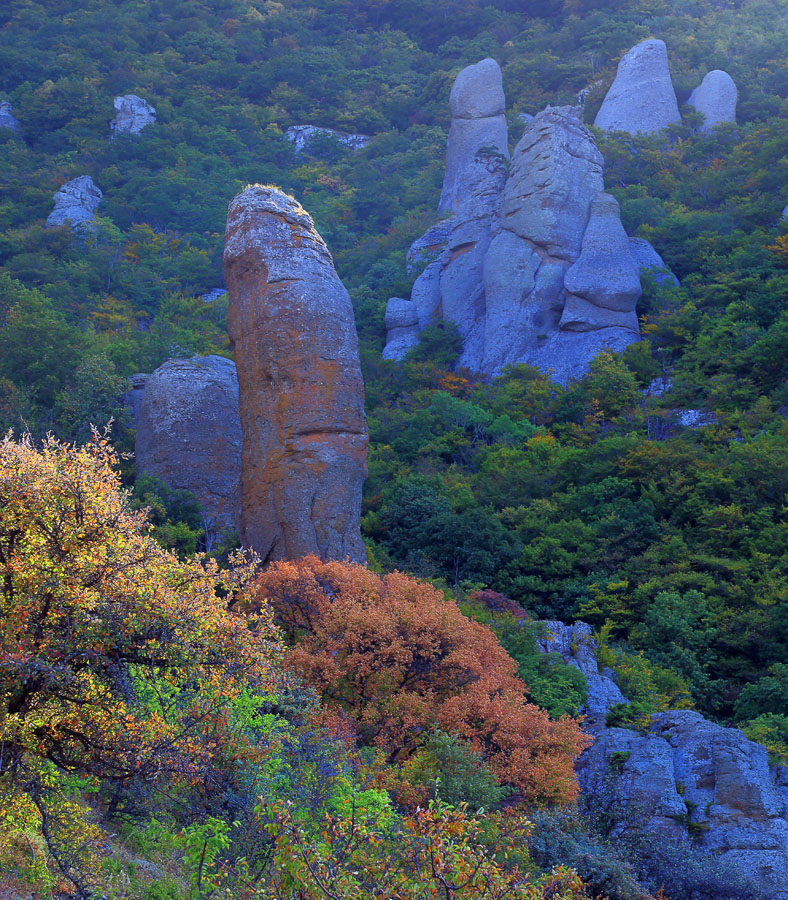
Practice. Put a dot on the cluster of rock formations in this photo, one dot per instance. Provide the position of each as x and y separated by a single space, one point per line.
273 446
132 114
534 265
642 100
301 136
75 203
305 438
685 779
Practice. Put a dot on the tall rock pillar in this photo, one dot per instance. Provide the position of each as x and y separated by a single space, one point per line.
301 394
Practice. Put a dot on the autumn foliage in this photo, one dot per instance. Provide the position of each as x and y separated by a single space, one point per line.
400 660
117 660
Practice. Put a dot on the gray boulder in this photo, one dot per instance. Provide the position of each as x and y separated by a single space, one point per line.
305 438
716 97
7 120
478 147
301 136
603 284
189 434
641 99
75 203
650 263
402 328
213 295
132 114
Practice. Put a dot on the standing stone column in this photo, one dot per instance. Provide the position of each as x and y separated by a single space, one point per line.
305 439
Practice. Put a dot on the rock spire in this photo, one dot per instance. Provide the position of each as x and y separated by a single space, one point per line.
291 323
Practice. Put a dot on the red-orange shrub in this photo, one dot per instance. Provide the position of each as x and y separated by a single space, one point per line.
400 659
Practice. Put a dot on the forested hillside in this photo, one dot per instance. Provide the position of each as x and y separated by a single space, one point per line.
649 499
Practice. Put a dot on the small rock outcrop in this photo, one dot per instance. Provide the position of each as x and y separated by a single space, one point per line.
534 265
75 203
7 120
641 99
189 434
650 263
576 647
685 780
402 328
132 114
302 135
716 97
291 323
213 294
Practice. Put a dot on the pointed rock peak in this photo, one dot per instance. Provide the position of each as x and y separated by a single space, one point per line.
716 97
478 91
641 99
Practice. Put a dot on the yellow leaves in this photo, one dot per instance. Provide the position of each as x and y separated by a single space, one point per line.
780 248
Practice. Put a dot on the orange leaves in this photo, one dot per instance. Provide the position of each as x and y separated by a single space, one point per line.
400 659
780 248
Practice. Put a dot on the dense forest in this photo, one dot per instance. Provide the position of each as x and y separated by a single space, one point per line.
649 499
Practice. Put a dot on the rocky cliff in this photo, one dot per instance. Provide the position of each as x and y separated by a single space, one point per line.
291 323
75 203
683 779
189 434
534 265
132 114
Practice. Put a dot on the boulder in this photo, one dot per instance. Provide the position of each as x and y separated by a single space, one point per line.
402 328
641 99
716 97
291 323
132 114
478 147
7 120
301 136
603 284
213 294
75 203
650 263
189 434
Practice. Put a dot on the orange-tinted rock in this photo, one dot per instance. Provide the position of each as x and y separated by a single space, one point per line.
301 393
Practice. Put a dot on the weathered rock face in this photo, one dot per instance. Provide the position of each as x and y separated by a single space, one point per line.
478 138
7 120
76 202
685 776
189 434
641 99
498 268
302 135
132 114
402 328
576 647
291 323
650 263
716 97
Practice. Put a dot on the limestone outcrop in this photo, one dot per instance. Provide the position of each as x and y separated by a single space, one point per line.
402 328
75 203
189 434
291 323
685 780
498 268
132 114
716 97
302 135
650 263
7 119
641 99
